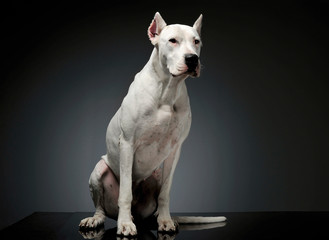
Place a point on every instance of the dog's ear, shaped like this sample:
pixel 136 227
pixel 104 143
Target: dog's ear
pixel 155 28
pixel 198 24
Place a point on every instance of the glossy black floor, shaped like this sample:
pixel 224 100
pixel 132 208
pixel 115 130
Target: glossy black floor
pixel 248 225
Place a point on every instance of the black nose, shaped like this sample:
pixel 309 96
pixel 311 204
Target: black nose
pixel 191 61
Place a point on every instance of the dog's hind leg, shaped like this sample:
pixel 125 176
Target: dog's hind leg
pixel 145 198
pixel 104 190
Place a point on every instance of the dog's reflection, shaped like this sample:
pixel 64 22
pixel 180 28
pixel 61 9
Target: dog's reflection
pixel 144 233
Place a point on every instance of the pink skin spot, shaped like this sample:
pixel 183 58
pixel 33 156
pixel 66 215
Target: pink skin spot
pixel 157 174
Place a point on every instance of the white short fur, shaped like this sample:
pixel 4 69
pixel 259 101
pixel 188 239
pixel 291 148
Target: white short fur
pixel 145 136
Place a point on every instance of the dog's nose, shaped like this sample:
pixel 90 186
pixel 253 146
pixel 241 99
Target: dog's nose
pixel 191 61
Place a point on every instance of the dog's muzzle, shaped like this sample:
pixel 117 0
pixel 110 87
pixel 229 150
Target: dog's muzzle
pixel 191 61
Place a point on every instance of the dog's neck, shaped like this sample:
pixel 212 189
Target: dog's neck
pixel 170 85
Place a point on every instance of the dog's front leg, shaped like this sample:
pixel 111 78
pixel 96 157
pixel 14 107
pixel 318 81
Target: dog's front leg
pixel 165 222
pixel 125 224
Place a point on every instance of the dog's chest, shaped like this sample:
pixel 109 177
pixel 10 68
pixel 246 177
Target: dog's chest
pixel 162 130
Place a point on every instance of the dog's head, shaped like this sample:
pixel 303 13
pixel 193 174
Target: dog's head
pixel 178 45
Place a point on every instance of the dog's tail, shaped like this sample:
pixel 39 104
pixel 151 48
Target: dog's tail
pixel 198 220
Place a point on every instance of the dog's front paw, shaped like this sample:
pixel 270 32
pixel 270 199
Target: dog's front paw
pixel 126 229
pixel 167 225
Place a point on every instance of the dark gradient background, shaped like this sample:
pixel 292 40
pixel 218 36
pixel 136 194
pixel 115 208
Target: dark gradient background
pixel 260 136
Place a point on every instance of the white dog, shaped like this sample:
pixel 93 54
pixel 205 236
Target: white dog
pixel 145 136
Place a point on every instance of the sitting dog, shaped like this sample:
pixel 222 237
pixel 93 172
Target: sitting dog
pixel 145 136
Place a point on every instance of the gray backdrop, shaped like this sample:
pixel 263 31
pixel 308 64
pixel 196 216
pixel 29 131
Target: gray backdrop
pixel 259 139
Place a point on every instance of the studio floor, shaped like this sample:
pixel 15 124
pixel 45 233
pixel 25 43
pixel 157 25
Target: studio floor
pixel 246 225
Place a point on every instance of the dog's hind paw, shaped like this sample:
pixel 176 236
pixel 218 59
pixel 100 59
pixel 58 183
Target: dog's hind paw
pixel 92 222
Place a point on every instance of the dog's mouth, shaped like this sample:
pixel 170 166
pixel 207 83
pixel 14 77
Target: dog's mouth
pixel 187 71
pixel 193 73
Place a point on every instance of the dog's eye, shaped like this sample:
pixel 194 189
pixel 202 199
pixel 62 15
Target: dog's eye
pixel 196 41
pixel 172 40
